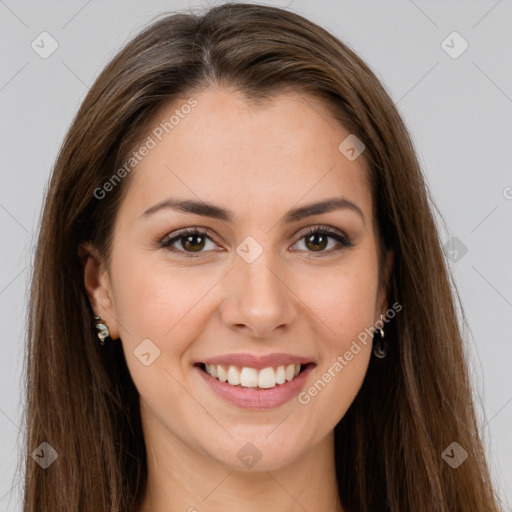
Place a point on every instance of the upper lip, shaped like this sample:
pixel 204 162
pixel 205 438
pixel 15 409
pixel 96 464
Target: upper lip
pixel 255 361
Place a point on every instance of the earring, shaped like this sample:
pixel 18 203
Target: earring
pixel 101 329
pixel 380 346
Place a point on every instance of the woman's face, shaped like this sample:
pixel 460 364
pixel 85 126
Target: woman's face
pixel 255 285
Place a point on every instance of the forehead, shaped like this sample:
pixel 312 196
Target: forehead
pixel 230 151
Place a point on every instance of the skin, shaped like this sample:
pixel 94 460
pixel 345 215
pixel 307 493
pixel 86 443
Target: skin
pixel 234 155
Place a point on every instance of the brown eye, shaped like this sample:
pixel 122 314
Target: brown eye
pixel 193 242
pixel 318 238
pixel 316 241
pixel 188 242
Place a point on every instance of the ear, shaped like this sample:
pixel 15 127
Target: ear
pixel 98 287
pixel 382 302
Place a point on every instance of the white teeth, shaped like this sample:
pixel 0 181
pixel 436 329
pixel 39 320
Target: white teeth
pixel 290 372
pixel 265 378
pixel 248 377
pixel 233 376
pixel 280 375
pixel 222 374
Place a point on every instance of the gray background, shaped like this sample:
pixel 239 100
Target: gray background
pixel 459 112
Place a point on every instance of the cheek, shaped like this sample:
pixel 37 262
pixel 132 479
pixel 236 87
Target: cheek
pixel 344 300
pixel 344 303
pixel 157 299
pixel 345 307
pixel 156 308
pixel 153 298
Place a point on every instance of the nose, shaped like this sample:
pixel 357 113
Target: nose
pixel 258 298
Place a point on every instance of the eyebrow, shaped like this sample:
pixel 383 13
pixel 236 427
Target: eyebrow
pixel 206 209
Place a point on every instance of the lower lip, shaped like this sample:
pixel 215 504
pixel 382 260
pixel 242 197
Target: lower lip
pixel 257 398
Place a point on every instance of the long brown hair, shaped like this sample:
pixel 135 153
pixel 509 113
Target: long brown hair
pixel 80 397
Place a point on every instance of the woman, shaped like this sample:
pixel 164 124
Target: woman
pixel 239 298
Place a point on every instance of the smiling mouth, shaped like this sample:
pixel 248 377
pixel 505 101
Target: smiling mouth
pixel 246 377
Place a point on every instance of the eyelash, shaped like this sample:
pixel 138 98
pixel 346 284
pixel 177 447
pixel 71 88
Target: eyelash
pixel 167 241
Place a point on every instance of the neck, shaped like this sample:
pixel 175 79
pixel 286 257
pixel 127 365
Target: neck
pixel 180 478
